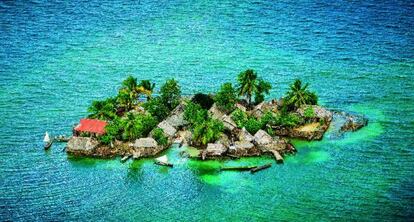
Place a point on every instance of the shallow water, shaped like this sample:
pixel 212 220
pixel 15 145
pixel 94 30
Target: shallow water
pixel 56 57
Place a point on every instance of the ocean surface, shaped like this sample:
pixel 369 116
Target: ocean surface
pixel 58 56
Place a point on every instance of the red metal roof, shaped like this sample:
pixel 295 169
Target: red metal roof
pixel 91 126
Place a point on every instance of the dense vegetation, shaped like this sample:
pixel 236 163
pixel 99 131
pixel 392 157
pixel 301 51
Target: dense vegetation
pixel 134 112
pixel 126 111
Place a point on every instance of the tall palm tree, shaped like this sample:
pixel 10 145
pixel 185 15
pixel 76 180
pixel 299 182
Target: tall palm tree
pixel 147 85
pixel 247 84
pixel 299 95
pixel 263 87
pixel 103 109
pixel 129 126
pixel 130 91
pixel 207 131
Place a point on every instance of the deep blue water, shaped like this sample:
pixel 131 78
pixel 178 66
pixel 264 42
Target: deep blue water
pixel 57 56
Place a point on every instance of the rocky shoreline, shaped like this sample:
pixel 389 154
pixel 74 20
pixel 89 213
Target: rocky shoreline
pixel 234 143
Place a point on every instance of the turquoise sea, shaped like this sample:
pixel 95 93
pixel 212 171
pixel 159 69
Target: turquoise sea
pixel 57 56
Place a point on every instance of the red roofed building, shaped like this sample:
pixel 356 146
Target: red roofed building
pixel 90 126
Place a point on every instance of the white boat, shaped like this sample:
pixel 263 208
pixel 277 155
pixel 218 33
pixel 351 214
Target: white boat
pixel 163 161
pixel 48 142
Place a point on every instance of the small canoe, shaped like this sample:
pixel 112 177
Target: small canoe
pixel 238 168
pixel 259 168
pixel 125 158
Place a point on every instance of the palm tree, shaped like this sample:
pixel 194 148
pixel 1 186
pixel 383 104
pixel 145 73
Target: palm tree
pixel 299 95
pixel 247 84
pixel 207 131
pixel 250 84
pixel 129 127
pixel 130 91
pixel 103 109
pixel 147 85
pixel 263 87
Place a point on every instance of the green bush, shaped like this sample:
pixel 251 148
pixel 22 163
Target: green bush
pixel 157 108
pixel 253 125
pixel 204 100
pixel 170 94
pixel 239 117
pixel 137 125
pixel 289 120
pixel 226 98
pixel 158 135
pixel 194 113
pixel 309 113
pixel 207 131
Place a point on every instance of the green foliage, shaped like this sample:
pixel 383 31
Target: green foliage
pixel 157 108
pixel 194 113
pixel 288 120
pixel 136 126
pixel 253 125
pixel 207 131
pixel 226 97
pixel 204 100
pixel 113 131
pixel 147 85
pixel 247 84
pixel 250 84
pixel 239 117
pixel 170 94
pixel 103 110
pixel 158 135
pixel 263 87
pixel 299 95
pixel 309 113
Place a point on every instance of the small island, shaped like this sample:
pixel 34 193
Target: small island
pixel 234 122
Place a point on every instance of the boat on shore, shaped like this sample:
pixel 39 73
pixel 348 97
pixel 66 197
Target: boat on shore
pixel 47 141
pixel 163 161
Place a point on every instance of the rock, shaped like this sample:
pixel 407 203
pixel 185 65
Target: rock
pixel 168 129
pixel 186 136
pixel 262 138
pixel 243 148
pixel 215 149
pixel 83 146
pixel 176 118
pixel 215 112
pixel 260 109
pixel 241 107
pixel 145 143
pixel 228 122
pixel 224 139
pixel 245 136
pixel 146 147
pixel 354 122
